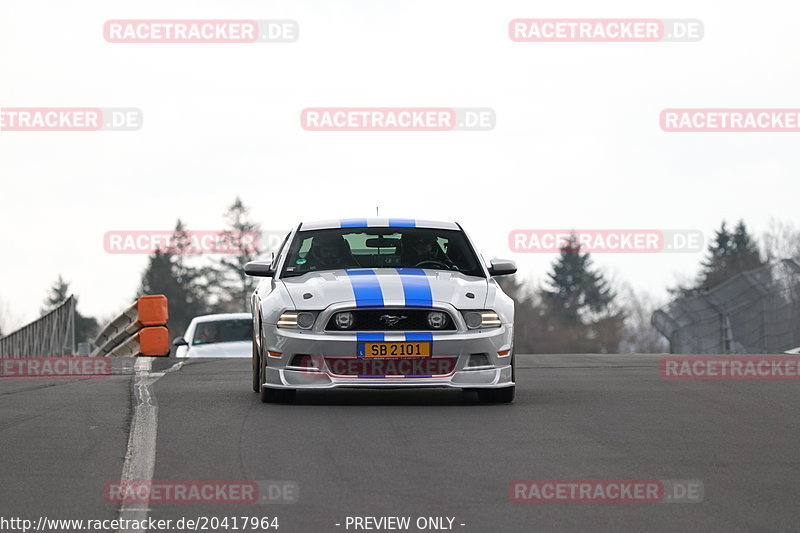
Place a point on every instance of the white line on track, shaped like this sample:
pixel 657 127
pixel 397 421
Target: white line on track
pixel 140 458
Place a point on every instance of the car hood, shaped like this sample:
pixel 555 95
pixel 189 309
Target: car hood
pixel 222 349
pixel 386 287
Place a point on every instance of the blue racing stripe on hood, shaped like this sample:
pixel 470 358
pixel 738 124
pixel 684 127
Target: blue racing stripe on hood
pixel 416 287
pixel 366 289
pixel 361 338
pixel 370 337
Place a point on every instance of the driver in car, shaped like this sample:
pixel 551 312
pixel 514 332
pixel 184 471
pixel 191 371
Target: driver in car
pixel 208 333
pixel 330 252
pixel 420 248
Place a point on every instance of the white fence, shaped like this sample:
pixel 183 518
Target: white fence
pixel 50 336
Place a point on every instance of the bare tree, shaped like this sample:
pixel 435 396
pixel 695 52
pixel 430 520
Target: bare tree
pixel 639 335
pixel 780 241
pixel 233 286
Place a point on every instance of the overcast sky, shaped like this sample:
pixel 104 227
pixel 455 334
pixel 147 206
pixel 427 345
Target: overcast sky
pixel 577 141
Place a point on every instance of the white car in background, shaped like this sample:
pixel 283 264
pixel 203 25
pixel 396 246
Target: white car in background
pixel 220 335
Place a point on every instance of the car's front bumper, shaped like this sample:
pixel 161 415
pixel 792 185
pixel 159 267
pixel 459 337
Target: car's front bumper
pixel 327 353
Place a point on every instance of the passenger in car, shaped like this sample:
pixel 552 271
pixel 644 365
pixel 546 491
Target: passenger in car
pixel 330 251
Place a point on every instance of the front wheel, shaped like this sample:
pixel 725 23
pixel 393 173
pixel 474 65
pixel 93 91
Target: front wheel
pixel 504 395
pixel 256 367
pixel 256 374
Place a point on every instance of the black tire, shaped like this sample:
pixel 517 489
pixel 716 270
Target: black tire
pixel 256 363
pixel 256 337
pixel 504 395
pixel 256 372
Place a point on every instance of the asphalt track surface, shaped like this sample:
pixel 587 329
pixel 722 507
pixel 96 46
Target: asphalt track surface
pixel 418 453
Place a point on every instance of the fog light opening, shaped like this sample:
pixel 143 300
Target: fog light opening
pixel 477 360
pixel 305 362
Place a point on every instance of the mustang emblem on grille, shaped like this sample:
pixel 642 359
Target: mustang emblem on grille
pixel 391 320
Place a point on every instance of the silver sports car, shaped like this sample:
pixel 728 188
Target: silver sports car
pixel 381 303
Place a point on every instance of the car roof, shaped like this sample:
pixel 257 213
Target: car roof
pixel 377 222
pixel 221 316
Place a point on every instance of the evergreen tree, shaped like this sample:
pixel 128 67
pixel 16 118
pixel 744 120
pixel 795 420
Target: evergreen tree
pixel 745 249
pixel 574 288
pixel 85 326
pixel 169 273
pixel 579 310
pixel 729 254
pixel 59 292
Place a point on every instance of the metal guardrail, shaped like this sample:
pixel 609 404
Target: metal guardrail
pixel 51 335
pixel 140 330
pixel 755 312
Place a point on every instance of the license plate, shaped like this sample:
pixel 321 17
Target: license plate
pixel 394 349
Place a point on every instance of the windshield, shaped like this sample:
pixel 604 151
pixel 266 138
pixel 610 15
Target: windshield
pixel 333 249
pixel 222 331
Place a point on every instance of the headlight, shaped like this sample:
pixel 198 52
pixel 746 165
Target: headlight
pixel 294 319
pixel 344 320
pixel 482 319
pixel 437 319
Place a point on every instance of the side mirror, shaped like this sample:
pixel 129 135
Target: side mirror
pixel 180 341
pixel 502 267
pixel 262 269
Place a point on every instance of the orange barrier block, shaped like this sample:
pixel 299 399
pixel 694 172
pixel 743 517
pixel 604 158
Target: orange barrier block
pixel 153 310
pixel 154 341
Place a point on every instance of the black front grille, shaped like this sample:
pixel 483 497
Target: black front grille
pixel 385 320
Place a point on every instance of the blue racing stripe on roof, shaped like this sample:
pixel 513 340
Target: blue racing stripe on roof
pixel 353 223
pixel 416 287
pixel 402 223
pixel 366 289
